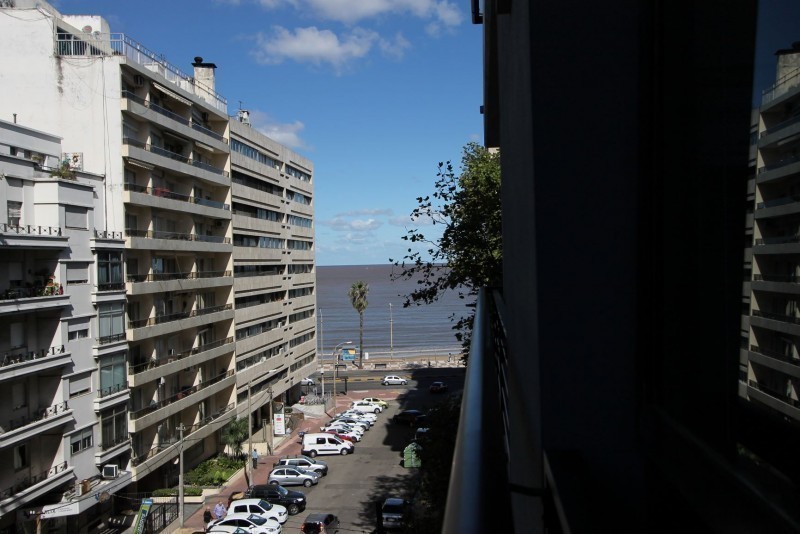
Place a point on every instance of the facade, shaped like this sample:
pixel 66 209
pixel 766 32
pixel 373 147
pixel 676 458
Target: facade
pixel 64 385
pixel 149 290
pixel 772 356
pixel 274 272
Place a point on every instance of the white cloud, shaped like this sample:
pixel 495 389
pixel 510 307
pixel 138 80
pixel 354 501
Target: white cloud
pixel 366 211
pixel 283 133
pixel 341 224
pixel 315 46
pixel 350 12
pixel 396 47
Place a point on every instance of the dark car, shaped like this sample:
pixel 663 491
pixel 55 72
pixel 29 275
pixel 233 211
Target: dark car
pixel 320 524
pixel 409 417
pixel 438 387
pixel 294 501
pixel 393 513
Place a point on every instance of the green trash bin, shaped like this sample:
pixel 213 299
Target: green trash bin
pixel 411 456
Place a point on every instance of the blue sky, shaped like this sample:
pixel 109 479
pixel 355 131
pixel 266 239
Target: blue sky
pixel 374 92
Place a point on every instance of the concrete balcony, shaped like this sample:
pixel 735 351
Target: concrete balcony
pixel 302 232
pixel 260 282
pixel 105 452
pixel 260 341
pixel 167 324
pixel 256 253
pixel 266 311
pixel 21 429
pixel 20 363
pixel 781 169
pixel 777 245
pixel 158 411
pixel 775 360
pixel 307 347
pixel 776 283
pixel 34 486
pixel 774 399
pixel 299 185
pixel 176 163
pixel 263 197
pixel 147 284
pixel 771 137
pixel 298 303
pixel 254 224
pixel 776 322
pixel 298 255
pixel 164 199
pixel 157 456
pixel 24 300
pixel 31 236
pixel 177 241
pixel 139 374
pixel 111 396
pixel 304 279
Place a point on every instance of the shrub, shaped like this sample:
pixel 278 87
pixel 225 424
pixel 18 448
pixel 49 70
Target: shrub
pixel 188 491
pixel 214 471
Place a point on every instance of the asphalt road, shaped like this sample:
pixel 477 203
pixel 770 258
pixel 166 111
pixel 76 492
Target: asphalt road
pixel 356 481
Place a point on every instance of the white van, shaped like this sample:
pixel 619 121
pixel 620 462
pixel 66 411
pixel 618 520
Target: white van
pixel 314 444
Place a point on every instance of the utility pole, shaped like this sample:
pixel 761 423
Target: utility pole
pixel 250 435
pixel 181 428
pixel 336 351
pixel 391 332
pixel 271 418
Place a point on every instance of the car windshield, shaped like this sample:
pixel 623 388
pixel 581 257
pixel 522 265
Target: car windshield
pixel 283 491
pixel 300 469
pixel 257 519
pixel 265 505
pixel 392 508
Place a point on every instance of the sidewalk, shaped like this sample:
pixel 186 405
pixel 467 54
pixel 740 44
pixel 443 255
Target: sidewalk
pixel 290 445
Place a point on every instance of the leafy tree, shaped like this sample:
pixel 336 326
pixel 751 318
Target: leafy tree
pixel 358 298
pixel 234 434
pixel 469 253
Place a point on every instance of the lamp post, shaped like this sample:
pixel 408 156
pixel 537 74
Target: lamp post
pixel 335 368
pixel 391 332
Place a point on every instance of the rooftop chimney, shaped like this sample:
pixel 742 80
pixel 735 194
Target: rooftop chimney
pixel 204 73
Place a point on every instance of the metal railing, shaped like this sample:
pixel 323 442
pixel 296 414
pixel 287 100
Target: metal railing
pixel 780 126
pixel 160 319
pixel 166 193
pixel 162 277
pixel 138 459
pixel 32 230
pixel 111 286
pixel 774 393
pixel 153 363
pixel 115 441
pixel 46 413
pixel 174 155
pixel 110 390
pixel 156 405
pixel 107 44
pixel 777 240
pixel 113 338
pixel 177 236
pixel 787 278
pixel 28 482
pixel 778 164
pixel 775 202
pixel 776 316
pixel 14 358
pixel 775 354
pixel 106 234
pixel 158 109
pixel 781 86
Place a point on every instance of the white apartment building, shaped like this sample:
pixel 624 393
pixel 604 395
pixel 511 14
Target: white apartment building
pixel 160 353
pixel 274 272
pixel 63 383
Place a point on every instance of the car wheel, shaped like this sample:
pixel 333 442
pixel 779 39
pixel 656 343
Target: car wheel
pixel 319 472
pixel 274 482
pixel 293 509
pixel 404 382
pixel 377 411
pixel 312 454
pixel 344 452
pixel 307 482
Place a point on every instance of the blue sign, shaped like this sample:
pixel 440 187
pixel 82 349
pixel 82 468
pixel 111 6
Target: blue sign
pixel 349 355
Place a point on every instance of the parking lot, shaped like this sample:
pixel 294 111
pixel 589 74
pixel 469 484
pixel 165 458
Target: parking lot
pixel 357 481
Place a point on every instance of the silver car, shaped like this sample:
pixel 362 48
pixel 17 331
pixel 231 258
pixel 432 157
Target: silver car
pixel 287 475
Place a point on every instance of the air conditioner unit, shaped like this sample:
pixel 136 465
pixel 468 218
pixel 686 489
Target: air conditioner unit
pixel 138 80
pixel 110 471
pixel 78 488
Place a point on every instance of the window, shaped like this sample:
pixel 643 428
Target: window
pixel 78 334
pixel 111 318
pixel 80 384
pixel 75 217
pixel 112 374
pixel 297 173
pixel 77 273
pixel 294 220
pixel 109 269
pixel 14 213
pixel 113 427
pixel 20 457
pixel 80 441
pixel 296 244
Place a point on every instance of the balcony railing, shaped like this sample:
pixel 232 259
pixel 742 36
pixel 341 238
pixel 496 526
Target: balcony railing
pixel 32 292
pixel 206 131
pixel 778 164
pixel 153 363
pixel 162 277
pixel 46 413
pixel 776 316
pixel 173 155
pixel 118 44
pixel 787 278
pixel 780 126
pixel 105 234
pixel 15 357
pixel 781 86
pixel 774 393
pixel 156 405
pixel 110 390
pixel 775 202
pixel 31 481
pixel 114 441
pixel 113 338
pixel 158 109
pixel 775 354
pixel 777 240
pixel 166 193
pixel 27 229
pixel 160 319
pixel 111 286
pixel 177 236
pixel 169 442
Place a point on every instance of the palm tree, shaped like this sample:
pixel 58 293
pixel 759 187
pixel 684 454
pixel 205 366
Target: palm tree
pixel 358 298
pixel 234 435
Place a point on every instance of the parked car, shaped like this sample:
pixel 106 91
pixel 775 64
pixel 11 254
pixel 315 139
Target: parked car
pixel 361 423
pixel 352 438
pixel 260 507
pixel 341 428
pixel 252 523
pixel 411 417
pixel 228 529
pixel 366 407
pixel 438 387
pixel 393 513
pixel 320 524
pixel 393 380
pixel 368 416
pixel 291 476
pixel 321 443
pixel 308 381
pixel 294 501
pixel 309 464
pixel 375 400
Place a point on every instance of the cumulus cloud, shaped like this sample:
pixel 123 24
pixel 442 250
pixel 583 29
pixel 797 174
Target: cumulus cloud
pixel 394 48
pixel 315 46
pixel 366 211
pixel 287 134
pixel 443 11
pixel 342 224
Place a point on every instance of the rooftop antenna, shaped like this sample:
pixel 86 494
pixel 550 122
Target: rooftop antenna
pixel 243 115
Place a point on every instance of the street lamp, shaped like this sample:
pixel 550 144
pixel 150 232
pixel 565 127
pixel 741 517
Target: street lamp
pixel 391 332
pixel 335 368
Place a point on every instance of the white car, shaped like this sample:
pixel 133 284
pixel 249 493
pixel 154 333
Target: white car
pixel 393 380
pixel 369 416
pixel 350 420
pixel 366 407
pixel 308 381
pixel 260 507
pixel 338 426
pixel 253 523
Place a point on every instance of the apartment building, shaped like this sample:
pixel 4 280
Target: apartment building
pixel 274 274
pixel 63 384
pixel 773 355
